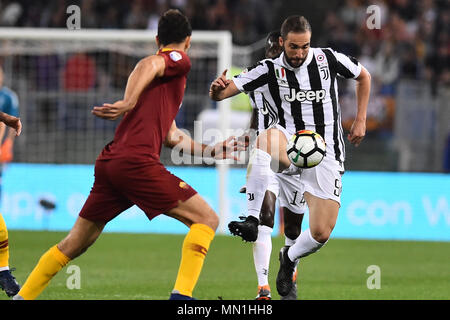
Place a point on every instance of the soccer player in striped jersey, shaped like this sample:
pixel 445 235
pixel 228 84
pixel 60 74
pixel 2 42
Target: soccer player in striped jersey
pixel 287 189
pixel 300 86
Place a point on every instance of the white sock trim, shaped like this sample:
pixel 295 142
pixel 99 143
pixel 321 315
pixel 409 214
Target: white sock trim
pixel 312 239
pixel 315 241
pixel 265 229
pixel 288 241
pixel 4 268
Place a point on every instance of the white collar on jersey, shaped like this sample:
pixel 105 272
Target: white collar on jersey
pixel 285 64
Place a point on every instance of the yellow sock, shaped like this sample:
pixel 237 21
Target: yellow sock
pixel 195 246
pixel 4 248
pixel 48 266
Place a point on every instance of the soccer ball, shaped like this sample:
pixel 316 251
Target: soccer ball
pixel 306 149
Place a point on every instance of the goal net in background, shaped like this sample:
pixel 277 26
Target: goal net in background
pixel 59 75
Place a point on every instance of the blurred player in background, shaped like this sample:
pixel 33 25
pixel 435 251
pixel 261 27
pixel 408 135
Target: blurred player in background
pixel 9 104
pixel 128 170
pixel 9 111
pixel 302 86
pixel 7 281
pixel 288 189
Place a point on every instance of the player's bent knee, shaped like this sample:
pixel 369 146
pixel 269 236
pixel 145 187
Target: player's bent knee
pixel 71 249
pixel 321 236
pixel 266 218
pixel 283 164
pixel 262 141
pixel 195 210
pixel 212 221
pixel 207 217
pixel 204 214
pixel 292 232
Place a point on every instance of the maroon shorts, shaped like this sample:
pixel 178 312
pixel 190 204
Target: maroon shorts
pixel 121 183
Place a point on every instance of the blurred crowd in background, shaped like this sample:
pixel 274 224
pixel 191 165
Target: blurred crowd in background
pixel 247 19
pixel 411 43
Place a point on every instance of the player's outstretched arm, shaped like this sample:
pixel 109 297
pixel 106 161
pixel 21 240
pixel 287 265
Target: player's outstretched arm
pixel 249 135
pixel 222 88
pixel 12 122
pixel 222 150
pixel 358 128
pixel 143 74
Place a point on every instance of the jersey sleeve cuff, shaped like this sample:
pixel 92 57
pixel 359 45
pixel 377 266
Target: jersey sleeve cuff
pixel 358 70
pixel 239 84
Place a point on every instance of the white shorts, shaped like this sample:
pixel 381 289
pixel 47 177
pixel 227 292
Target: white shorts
pixel 324 180
pixel 289 191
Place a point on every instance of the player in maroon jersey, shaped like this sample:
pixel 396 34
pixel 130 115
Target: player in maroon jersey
pixel 128 170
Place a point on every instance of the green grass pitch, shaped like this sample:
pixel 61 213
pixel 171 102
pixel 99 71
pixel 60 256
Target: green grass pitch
pixel 144 266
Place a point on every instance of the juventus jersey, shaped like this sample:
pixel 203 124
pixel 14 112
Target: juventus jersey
pixel 301 98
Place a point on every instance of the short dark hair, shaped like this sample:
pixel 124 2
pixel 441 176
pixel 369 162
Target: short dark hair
pixel 173 27
pixel 297 24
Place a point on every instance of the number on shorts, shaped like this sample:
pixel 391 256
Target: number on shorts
pixel 338 187
pixel 295 198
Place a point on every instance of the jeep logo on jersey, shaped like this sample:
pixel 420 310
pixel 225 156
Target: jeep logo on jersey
pixel 302 95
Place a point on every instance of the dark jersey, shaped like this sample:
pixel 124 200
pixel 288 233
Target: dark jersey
pixel 142 130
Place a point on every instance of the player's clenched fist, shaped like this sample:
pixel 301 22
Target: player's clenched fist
pixel 357 132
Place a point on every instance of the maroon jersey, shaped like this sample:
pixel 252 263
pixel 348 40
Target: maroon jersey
pixel 142 130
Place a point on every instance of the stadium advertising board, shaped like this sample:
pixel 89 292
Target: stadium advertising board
pixel 375 205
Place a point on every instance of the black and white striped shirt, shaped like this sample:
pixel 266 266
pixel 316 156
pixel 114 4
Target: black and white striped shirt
pixel 301 98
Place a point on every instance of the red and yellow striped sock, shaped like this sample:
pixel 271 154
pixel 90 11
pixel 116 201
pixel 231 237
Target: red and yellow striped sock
pixel 4 247
pixel 48 266
pixel 195 246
